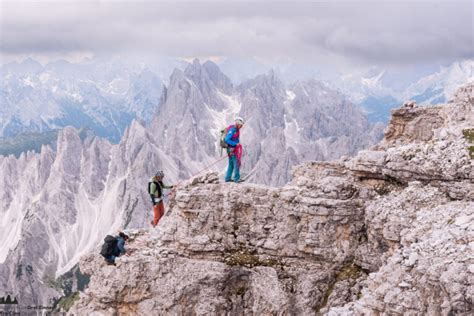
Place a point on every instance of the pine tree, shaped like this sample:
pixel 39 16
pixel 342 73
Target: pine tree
pixel 2 300
pixel 8 300
pixel 15 301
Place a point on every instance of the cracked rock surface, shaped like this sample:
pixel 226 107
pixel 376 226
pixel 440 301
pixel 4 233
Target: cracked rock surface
pixel 388 232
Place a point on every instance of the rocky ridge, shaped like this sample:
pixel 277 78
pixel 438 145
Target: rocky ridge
pixel 389 231
pixel 58 204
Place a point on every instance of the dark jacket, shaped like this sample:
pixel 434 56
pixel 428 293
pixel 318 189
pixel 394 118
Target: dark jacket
pixel 120 248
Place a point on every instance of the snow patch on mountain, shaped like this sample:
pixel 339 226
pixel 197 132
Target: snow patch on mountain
pixel 292 132
pixel 119 86
pixel 88 230
pixel 10 230
pixel 222 118
pixel 233 104
pixel 290 95
pixel 373 82
pixel 219 120
pixel 28 82
pixel 441 86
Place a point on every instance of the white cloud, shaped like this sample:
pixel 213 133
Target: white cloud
pixel 349 32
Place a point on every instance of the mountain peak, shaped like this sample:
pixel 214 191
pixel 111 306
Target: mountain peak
pixel 271 78
pixel 26 66
pixel 208 74
pixel 31 62
pixel 194 67
pixel 176 76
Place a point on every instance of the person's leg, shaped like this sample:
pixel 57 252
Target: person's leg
pixel 156 214
pixel 161 211
pixel 230 169
pixel 237 170
pixel 110 259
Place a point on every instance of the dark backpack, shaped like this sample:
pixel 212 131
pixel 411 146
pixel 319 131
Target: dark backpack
pixel 110 242
pixel 223 134
pixel 158 188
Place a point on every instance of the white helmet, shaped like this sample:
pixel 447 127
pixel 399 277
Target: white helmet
pixel 160 174
pixel 239 120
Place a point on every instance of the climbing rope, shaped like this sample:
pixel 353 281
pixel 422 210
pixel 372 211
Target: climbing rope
pixel 194 175
pixel 239 153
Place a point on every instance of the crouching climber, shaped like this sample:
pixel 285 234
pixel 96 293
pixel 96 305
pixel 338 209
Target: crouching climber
pixel 113 247
pixel 155 189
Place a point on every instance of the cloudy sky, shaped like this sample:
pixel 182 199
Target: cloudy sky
pixel 341 34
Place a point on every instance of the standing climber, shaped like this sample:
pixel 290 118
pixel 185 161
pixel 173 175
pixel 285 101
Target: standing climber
pixel 155 189
pixel 113 247
pixel 234 150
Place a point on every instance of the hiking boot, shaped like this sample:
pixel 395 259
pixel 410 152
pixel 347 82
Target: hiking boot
pixel 152 224
pixel 110 263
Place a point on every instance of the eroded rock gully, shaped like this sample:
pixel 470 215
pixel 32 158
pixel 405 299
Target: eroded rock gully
pixel 389 231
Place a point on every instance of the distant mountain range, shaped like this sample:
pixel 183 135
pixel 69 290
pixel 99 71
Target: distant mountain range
pixel 377 97
pixel 106 95
pixel 22 143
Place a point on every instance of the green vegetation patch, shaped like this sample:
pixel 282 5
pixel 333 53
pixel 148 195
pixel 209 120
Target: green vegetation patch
pixel 241 291
pixel 22 143
pixel 69 284
pixel 469 136
pixel 471 151
pixel 66 302
pixel 25 142
pixel 350 271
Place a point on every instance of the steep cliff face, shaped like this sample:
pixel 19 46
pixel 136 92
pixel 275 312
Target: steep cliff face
pixel 388 231
pixel 57 206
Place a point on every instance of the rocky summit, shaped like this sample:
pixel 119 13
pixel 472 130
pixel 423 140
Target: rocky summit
pixel 388 232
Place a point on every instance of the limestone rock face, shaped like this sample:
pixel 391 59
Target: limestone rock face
pixel 235 249
pixel 389 232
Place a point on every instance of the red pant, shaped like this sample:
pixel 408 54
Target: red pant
pixel 158 212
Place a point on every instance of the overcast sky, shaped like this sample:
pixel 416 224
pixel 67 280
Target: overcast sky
pixel 330 33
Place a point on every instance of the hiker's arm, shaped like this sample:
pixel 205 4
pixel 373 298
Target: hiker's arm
pixel 228 138
pixel 168 186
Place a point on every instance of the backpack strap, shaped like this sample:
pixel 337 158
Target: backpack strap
pixel 236 134
pixel 158 186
